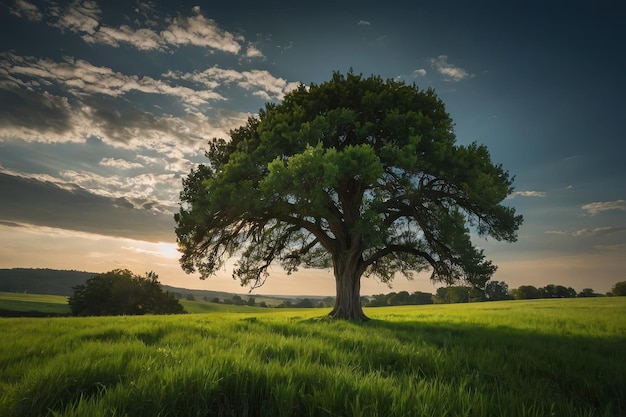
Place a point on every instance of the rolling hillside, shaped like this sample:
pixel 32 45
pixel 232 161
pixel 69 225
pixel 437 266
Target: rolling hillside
pixel 61 282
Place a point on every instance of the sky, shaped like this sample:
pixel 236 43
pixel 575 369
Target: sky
pixel 105 106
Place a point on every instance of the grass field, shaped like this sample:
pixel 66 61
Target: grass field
pixel 56 304
pixel 519 358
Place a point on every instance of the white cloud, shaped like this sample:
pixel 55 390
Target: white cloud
pixel 89 111
pixel 364 23
pixel 254 52
pixel 81 17
pixel 449 71
pixel 199 31
pixel 266 85
pixel 527 194
pixel 419 72
pixel 81 77
pixel 557 232
pixel 26 10
pixel 153 191
pixel 84 18
pixel 600 206
pixel 598 231
pixel 260 82
pixel 142 39
pixel 119 163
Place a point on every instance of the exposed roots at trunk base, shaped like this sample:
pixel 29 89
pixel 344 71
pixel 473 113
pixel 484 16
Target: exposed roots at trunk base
pixel 356 315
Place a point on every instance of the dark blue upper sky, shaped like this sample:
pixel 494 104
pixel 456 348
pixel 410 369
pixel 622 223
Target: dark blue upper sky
pixel 105 106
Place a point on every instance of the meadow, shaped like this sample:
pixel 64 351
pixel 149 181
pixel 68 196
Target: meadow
pixel 563 357
pixel 45 304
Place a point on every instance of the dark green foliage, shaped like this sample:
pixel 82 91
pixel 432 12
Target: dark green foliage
pixel 492 291
pixel 619 288
pixel 588 292
pixel 400 298
pixel 356 174
pixel 120 292
pixel 556 291
pixel 496 291
pixel 453 294
pixel 237 300
pixel 305 303
pixel 529 292
pixel 41 281
pixel 526 292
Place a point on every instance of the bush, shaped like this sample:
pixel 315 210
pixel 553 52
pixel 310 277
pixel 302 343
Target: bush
pixel 120 292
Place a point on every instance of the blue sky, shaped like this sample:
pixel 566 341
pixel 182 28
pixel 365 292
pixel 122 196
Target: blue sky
pixel 106 106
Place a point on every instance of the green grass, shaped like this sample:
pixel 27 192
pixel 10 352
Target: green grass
pixel 209 307
pixel 56 304
pixel 518 358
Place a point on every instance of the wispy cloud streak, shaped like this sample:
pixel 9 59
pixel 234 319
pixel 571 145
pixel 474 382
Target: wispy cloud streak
pixel 527 194
pixel 600 206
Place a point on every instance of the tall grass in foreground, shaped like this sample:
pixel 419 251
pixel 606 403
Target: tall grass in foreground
pixel 535 358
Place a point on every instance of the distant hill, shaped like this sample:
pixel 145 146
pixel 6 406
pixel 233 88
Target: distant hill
pixel 41 281
pixel 197 294
pixel 61 282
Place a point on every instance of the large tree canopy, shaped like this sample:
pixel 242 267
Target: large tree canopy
pixel 356 174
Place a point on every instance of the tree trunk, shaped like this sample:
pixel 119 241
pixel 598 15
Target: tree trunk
pixel 348 283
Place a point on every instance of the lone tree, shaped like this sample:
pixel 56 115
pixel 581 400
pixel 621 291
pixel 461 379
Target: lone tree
pixel 358 174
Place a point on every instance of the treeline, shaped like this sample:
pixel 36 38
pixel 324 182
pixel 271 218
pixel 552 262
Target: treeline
pixel 41 281
pixel 529 292
pixel 399 299
pixel 493 291
pixel 251 301
pixel 121 292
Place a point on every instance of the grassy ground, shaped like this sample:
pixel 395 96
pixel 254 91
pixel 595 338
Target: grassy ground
pixel 56 304
pixel 518 358
pixel 209 307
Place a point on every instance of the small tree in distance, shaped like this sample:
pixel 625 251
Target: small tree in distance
pixel 587 292
pixel 619 288
pixel 497 290
pixel 120 292
pixel 356 174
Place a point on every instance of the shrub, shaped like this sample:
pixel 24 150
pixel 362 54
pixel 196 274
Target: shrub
pixel 120 292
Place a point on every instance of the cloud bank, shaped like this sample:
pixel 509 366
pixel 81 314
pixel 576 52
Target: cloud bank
pixel 43 203
pixel 83 17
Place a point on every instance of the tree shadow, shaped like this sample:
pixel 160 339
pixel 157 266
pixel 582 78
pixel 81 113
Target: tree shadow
pixel 583 370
